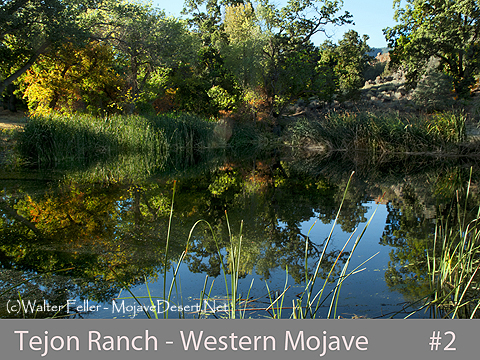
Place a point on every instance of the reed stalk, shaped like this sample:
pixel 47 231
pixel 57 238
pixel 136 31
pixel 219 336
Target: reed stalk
pixel 454 266
pixel 231 275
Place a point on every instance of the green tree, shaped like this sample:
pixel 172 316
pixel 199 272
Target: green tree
pixel 327 74
pixel 446 29
pixel 343 65
pixel 352 54
pixel 74 79
pixel 146 41
pixel 244 52
pixel 206 19
pixel 293 75
pixel 207 87
pixel 29 28
pixel 290 48
pixel 268 47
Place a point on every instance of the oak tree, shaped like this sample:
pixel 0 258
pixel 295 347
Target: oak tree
pixel 29 28
pixel 448 30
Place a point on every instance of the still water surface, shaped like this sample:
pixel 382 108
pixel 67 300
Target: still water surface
pixel 80 239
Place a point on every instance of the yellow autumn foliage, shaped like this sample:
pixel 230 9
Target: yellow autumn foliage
pixel 75 79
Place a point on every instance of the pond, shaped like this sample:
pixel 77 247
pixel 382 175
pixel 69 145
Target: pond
pixel 79 243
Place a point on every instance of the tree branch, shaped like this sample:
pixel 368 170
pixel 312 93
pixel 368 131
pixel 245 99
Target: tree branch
pixel 5 208
pixel 43 48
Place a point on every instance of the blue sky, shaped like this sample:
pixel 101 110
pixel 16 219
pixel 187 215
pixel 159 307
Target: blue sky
pixel 370 17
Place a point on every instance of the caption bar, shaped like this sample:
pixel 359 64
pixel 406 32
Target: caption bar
pixel 238 339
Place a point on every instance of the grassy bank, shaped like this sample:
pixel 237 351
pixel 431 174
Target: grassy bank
pixel 80 139
pixel 381 132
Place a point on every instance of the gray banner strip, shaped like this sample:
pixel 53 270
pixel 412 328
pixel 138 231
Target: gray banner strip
pixel 238 339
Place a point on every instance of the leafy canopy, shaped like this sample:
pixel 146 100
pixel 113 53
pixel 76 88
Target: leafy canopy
pixel 448 30
pixel 29 28
pixel 266 47
pixel 74 78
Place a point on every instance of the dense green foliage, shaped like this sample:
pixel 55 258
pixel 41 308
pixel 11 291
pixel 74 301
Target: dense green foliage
pixel 74 79
pixel 31 28
pixel 105 56
pixel 446 30
pixel 255 59
pixel 350 59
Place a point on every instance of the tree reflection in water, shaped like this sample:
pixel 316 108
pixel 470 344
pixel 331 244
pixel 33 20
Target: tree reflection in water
pixel 90 227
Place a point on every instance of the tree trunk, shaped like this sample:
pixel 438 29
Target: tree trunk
pixel 10 99
pixel 19 72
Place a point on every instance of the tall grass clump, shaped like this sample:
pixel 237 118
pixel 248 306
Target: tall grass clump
pixel 81 139
pixel 248 138
pixel 185 132
pixel 381 133
pixel 190 138
pixel 447 126
pixel 454 268
pixel 230 264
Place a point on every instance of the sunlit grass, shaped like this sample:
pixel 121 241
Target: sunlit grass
pixel 381 133
pixel 454 267
pixel 59 139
